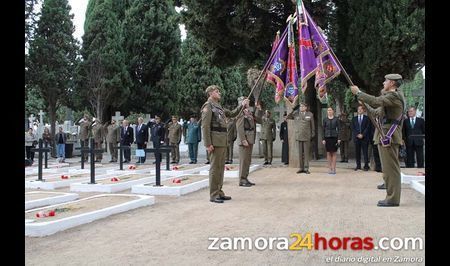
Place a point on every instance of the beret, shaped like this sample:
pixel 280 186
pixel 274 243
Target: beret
pixel 393 77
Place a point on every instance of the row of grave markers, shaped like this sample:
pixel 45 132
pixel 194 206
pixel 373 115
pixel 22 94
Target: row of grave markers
pixel 158 151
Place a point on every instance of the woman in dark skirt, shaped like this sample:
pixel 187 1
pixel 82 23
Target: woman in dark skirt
pixel 331 141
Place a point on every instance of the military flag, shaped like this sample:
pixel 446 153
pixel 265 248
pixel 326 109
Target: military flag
pixel 315 54
pixel 276 71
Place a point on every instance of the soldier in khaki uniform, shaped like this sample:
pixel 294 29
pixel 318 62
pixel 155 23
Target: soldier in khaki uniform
pixel 174 134
pixel 98 132
pixel 246 129
pixel 232 135
pixel 214 131
pixel 113 138
pixel 345 135
pixel 390 106
pixel 85 125
pixel 304 131
pixel 268 135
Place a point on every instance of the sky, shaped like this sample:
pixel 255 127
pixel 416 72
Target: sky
pixel 79 11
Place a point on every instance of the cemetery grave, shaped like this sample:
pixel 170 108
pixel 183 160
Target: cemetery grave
pixel 35 199
pixel 182 169
pixel 114 183
pixel 175 186
pixel 51 219
pixel 232 170
pixel 61 180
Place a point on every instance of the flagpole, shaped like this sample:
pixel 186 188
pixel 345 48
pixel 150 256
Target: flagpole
pixel 342 67
pixel 351 84
pixel 272 55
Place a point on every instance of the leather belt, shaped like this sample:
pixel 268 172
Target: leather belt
pixel 219 129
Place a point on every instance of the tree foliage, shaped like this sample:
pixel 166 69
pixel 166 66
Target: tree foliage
pixel 375 38
pixel 414 91
pixel 152 42
pixel 52 56
pixel 102 75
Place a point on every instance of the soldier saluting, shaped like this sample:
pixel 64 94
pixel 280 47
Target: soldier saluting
pixel 214 130
pixel 388 132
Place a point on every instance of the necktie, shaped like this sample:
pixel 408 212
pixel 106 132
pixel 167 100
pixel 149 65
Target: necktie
pixel 412 122
pixel 360 120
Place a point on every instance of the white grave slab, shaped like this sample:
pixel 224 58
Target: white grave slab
pixel 36 228
pixel 51 199
pixel 51 185
pixel 234 173
pixel 419 186
pixel 181 171
pixel 149 189
pixel 406 179
pixel 112 187
pixel 416 182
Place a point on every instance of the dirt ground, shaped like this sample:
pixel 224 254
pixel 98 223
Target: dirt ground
pixel 176 229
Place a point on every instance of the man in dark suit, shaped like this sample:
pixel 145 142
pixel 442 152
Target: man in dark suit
pixel 413 132
pixel 361 132
pixel 376 155
pixel 126 138
pixel 157 132
pixel 284 140
pixel 141 138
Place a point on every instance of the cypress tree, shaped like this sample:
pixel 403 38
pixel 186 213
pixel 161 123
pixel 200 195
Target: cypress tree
pixel 52 56
pixel 152 42
pixel 102 74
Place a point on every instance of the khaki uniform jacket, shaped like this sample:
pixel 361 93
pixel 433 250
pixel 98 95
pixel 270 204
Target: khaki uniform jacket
pixel 390 105
pixel 98 132
pixel 232 132
pixel 246 127
pixel 345 131
pixel 305 128
pixel 214 127
pixel 268 129
pixel 84 130
pixel 113 135
pixel 174 132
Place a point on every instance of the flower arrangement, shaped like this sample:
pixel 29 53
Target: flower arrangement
pixel 64 177
pixel 177 167
pixel 115 179
pixel 178 180
pixel 42 214
pixel 132 167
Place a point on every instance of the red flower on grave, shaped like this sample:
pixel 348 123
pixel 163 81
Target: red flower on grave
pixel 132 167
pixel 64 177
pixel 176 180
pixel 115 179
pixel 175 167
pixel 51 213
pixel 227 168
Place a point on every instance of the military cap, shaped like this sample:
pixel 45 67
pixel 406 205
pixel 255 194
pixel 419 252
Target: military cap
pixel 211 88
pixel 393 77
